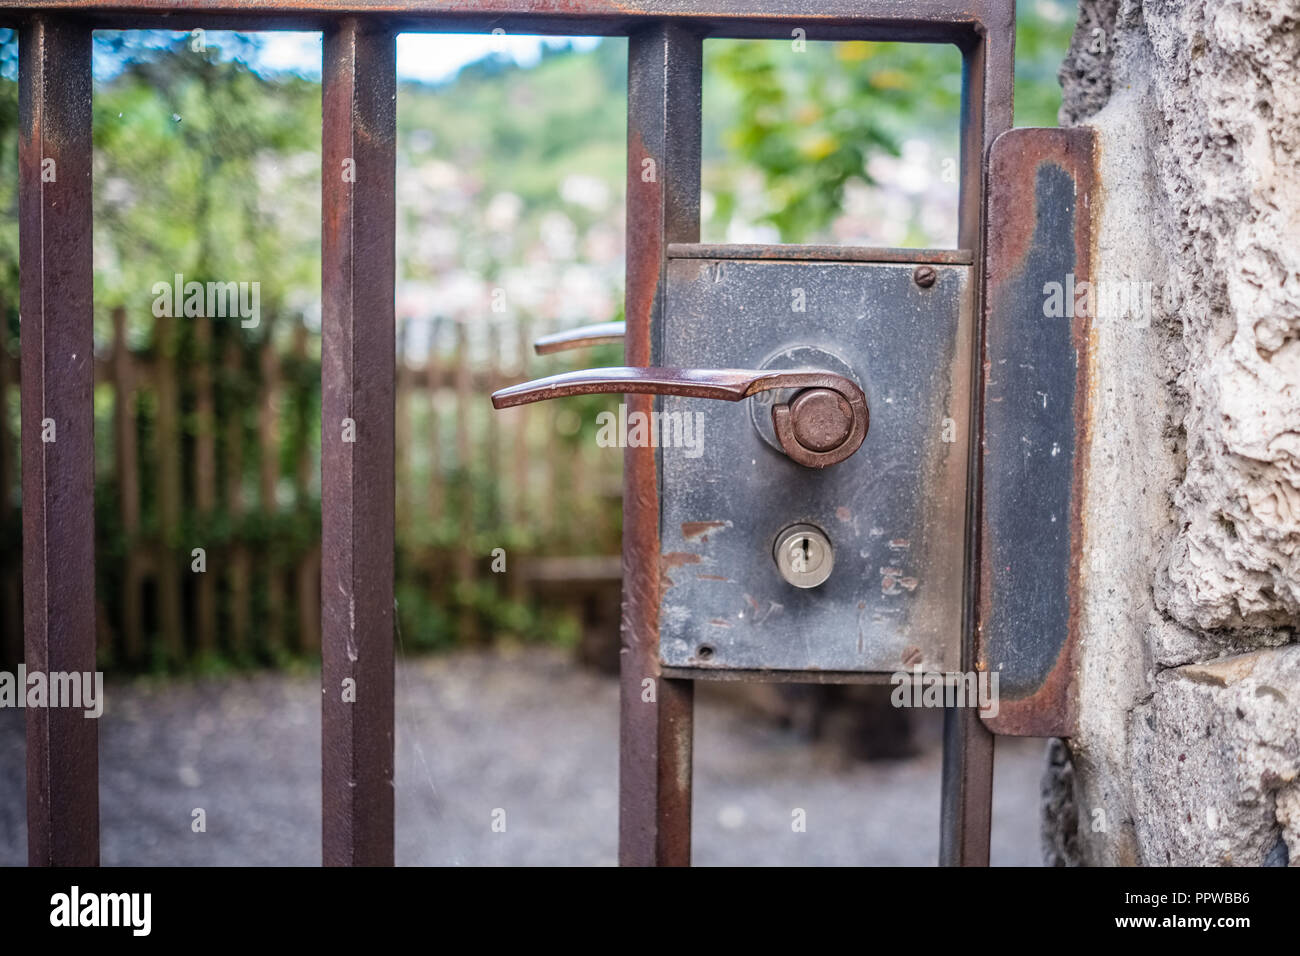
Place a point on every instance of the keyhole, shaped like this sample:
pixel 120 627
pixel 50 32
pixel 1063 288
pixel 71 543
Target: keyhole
pixel 803 555
pixel 799 557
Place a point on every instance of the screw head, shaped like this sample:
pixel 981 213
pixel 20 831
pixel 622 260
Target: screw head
pixel 924 276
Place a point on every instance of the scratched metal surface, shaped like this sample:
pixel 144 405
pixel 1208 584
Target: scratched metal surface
pixel 1035 424
pixel 894 511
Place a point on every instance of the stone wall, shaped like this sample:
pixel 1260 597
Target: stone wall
pixel 1189 742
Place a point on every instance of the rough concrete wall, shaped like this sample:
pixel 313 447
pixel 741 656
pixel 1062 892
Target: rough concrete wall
pixel 1189 743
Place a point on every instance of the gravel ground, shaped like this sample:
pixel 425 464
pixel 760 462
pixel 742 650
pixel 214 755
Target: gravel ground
pixel 525 732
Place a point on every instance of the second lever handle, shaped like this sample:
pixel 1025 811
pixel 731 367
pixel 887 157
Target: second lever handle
pixel 822 425
pixel 580 337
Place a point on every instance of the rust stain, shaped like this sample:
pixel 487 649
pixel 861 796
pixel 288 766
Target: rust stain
pixel 1008 244
pixel 700 529
pixel 677 559
pixel 645 222
pixel 669 561
pixel 899 544
pixel 1049 711
pixel 712 577
pixel 844 514
pixel 719 622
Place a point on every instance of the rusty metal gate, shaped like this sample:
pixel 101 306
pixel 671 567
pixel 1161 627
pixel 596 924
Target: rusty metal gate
pixel 665 39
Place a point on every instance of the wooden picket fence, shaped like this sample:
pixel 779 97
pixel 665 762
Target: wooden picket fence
pixel 209 439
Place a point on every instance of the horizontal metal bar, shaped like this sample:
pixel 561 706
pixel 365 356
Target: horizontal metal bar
pixel 706 250
pixel 723 675
pixel 929 21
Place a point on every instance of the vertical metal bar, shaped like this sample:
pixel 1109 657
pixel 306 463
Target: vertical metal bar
pixel 54 201
pixel 358 268
pixel 663 206
pixel 967 775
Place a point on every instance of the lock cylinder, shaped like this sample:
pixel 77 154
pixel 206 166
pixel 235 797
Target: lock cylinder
pixel 804 556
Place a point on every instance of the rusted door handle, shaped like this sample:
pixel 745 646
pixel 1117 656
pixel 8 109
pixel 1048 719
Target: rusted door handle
pixel 580 338
pixel 822 425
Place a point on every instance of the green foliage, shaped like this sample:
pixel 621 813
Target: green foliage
pixel 423 624
pixel 426 623
pixel 207 169
pixel 810 119
pixel 1043 30
pixel 807 121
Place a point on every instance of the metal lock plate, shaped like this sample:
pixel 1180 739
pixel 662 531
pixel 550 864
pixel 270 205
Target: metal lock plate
pixel 895 512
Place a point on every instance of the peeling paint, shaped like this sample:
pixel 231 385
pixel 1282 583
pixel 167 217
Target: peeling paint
pixel 701 529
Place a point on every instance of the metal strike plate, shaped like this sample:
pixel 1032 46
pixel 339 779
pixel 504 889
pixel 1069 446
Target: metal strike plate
pixel 1036 418
pixel 895 512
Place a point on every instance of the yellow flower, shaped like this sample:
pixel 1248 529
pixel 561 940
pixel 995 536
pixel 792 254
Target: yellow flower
pixel 818 146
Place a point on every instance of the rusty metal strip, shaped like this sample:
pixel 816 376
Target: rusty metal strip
pixel 54 208
pixel 358 268
pixel 923 21
pixel 746 676
pixel 663 205
pixel 967 775
pixel 1035 425
pixel 814 253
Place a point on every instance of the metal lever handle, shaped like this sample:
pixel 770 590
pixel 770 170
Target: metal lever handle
pixel 822 425
pixel 580 337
